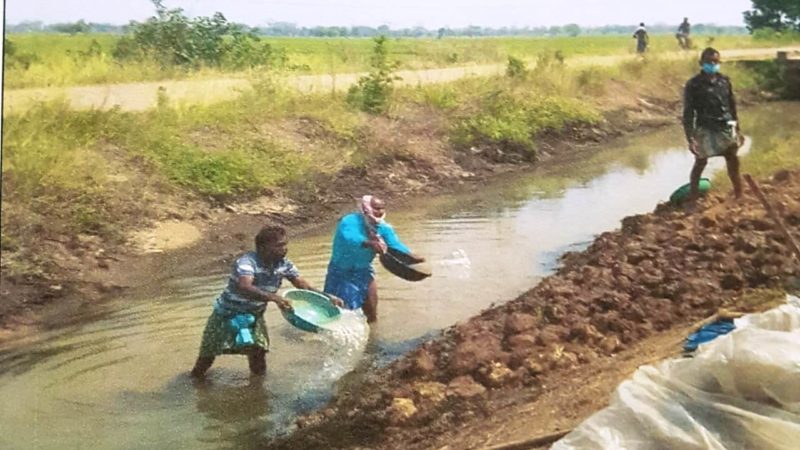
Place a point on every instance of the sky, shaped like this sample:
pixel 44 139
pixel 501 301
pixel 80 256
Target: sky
pixel 395 13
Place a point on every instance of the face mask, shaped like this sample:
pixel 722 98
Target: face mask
pixel 710 68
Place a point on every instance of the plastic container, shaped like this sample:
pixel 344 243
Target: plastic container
pixel 682 193
pixel 403 266
pixel 312 310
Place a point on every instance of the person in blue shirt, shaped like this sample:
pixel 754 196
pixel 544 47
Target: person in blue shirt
pixel 358 238
pixel 236 324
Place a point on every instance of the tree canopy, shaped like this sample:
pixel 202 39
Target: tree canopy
pixel 774 14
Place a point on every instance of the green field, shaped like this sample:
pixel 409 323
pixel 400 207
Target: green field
pixel 66 60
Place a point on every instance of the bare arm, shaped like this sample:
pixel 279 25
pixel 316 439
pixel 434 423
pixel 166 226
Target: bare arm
pixel 248 289
pixel 689 115
pixel 301 283
pixel 734 113
pixel 688 112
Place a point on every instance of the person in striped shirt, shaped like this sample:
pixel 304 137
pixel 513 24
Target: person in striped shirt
pixel 253 282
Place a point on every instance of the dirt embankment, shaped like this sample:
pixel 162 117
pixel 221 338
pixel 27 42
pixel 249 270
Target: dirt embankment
pixel 80 270
pixel 659 273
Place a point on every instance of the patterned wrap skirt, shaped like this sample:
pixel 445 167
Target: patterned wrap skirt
pixel 219 336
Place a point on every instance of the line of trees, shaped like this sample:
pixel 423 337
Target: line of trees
pixel 778 15
pixel 292 30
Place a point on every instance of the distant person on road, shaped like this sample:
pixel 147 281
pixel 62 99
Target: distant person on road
pixel 683 34
pixel 642 39
pixel 359 236
pixel 236 324
pixel 710 121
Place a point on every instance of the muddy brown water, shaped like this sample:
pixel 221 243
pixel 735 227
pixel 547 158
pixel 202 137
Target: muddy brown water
pixel 118 380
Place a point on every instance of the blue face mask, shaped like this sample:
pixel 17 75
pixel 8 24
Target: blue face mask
pixel 710 68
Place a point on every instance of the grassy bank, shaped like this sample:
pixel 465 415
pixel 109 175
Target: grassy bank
pixel 64 60
pixel 777 149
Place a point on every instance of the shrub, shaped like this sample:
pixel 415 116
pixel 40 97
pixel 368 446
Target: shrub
pixel 512 120
pixel 171 38
pixel 373 91
pixel 516 68
pixel 13 58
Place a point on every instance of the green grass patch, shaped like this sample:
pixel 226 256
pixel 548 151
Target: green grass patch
pixel 66 165
pixel 772 155
pixel 775 142
pixel 513 118
pixel 52 171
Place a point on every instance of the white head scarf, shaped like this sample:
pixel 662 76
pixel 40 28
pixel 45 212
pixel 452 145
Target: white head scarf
pixel 365 204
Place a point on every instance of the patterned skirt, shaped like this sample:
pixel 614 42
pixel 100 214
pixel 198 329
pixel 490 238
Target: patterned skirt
pixel 715 142
pixel 219 337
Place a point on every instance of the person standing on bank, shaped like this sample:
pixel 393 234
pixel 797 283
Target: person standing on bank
pixel 711 122
pixel 642 39
pixel 359 236
pixel 684 29
pixel 254 281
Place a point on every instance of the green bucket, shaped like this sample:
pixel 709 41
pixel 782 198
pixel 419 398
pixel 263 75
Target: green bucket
pixel 682 193
pixel 312 310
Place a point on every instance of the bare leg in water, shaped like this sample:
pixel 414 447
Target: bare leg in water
pixel 201 366
pixel 371 303
pixel 257 359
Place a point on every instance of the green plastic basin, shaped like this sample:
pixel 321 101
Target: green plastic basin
pixel 312 310
pixel 682 193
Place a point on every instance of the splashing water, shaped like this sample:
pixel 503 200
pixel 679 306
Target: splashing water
pixel 457 264
pixel 346 339
pixel 337 348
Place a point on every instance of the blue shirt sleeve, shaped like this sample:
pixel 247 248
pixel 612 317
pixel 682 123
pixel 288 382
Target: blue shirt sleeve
pixel 390 237
pixel 352 230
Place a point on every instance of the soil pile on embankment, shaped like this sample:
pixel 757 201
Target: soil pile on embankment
pixel 660 271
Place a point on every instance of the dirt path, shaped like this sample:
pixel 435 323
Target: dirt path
pixel 142 96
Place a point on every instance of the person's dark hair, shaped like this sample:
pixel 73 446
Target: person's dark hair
pixel 708 52
pixel 641 24
pixel 269 234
